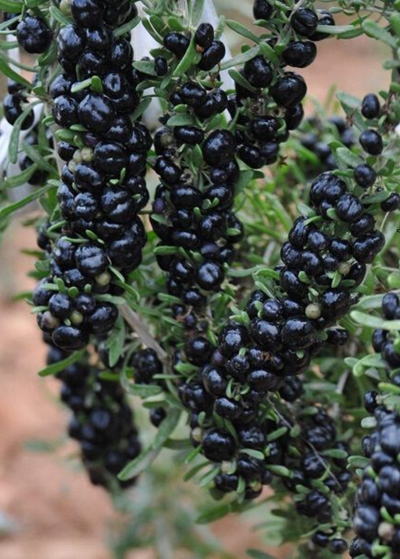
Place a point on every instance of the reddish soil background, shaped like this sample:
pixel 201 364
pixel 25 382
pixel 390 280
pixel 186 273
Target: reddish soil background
pixel 57 513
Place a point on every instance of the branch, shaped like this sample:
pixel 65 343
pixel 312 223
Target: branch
pixel 141 329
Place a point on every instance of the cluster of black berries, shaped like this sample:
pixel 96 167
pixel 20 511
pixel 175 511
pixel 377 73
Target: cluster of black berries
pixel 102 421
pixel 284 332
pixel 193 213
pixel 14 104
pixel 372 143
pixel 212 50
pixel 192 206
pixel 260 128
pixel 103 184
pixel 318 480
pixel 313 135
pixel 379 488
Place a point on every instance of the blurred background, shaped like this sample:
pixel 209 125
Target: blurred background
pixel 48 509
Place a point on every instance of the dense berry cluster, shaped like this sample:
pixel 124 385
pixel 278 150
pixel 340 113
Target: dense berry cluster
pixel 267 103
pixel 378 503
pixel 318 480
pixel 377 496
pixel 192 207
pixel 212 50
pixel 102 185
pixel 282 333
pixel 102 421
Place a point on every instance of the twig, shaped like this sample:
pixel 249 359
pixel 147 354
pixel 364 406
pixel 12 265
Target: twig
pixel 137 324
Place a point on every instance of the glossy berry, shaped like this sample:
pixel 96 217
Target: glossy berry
pixel 204 35
pixel 365 175
pixel 219 148
pixel 370 401
pixel 392 203
pixel 96 112
pixel 349 208
pixel 299 54
pixel 371 142
pixel 91 260
pixel 258 72
pixel 33 35
pixel 209 276
pixel 304 21
pixel 262 9
pixel 326 19
pixel 69 337
pixel 87 13
pixel 338 546
pixel 192 94
pixel 60 305
pixel 176 43
pixel 218 445
pixel 65 111
pixel 161 66
pixel 289 90
pixel 298 333
pixel 370 106
pixel 212 56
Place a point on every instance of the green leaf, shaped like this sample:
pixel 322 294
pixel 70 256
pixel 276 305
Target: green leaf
pixel 11 208
pixel 373 360
pixel 214 514
pixel 141 108
pixel 375 31
pixel 145 66
pixel 142 462
pixel 349 158
pixel 180 120
pixel 21 178
pixel 371 321
pixel 240 59
pixel 61 18
pixel 195 470
pixel 79 86
pixel 115 342
pixel 348 102
pixel 277 434
pixel 167 427
pixel 126 27
pixel 242 30
pixel 245 178
pixel 335 453
pixel 241 80
pixel 144 390
pixel 165 250
pixel 61 365
pixel 370 302
pixel 191 58
pixel 253 453
pixel 33 153
pixel 279 470
pixel 11 6
pixel 7 71
pixel 358 462
pixel 196 12
pixel 139 464
pixel 14 138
